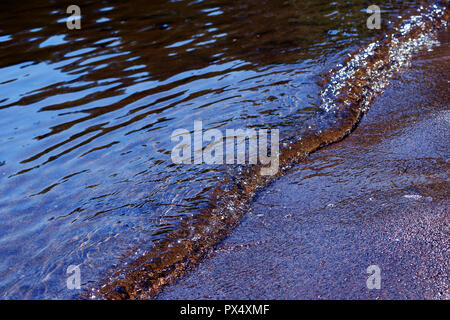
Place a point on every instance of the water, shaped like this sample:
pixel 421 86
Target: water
pixel 86 176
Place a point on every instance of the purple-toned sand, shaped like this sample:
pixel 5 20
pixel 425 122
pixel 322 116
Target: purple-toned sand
pixel 380 197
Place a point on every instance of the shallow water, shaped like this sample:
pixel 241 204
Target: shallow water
pixel 86 176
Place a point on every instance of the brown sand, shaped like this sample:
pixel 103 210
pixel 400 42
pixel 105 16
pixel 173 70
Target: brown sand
pixel 377 198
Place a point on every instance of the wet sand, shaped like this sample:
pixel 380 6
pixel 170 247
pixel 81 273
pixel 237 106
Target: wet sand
pixel 380 197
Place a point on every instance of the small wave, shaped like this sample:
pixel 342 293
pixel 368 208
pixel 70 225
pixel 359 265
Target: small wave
pixel 348 92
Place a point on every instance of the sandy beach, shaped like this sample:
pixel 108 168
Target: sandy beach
pixel 380 197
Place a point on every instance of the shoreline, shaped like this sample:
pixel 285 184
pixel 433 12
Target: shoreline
pixel 377 198
pixel 361 79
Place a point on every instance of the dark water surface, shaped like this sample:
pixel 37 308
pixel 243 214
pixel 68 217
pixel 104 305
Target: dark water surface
pixel 86 116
